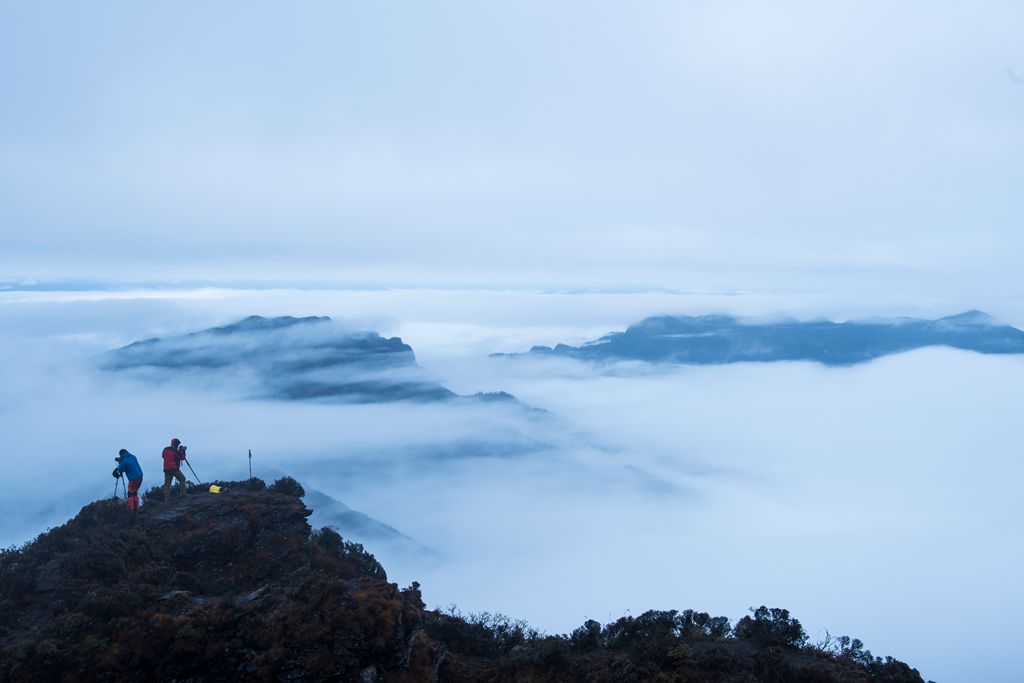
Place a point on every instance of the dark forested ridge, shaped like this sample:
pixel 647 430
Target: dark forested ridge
pixel 284 358
pixel 289 359
pixel 716 339
pixel 236 586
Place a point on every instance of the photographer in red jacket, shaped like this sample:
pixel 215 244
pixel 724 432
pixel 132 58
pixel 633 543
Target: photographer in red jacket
pixel 173 455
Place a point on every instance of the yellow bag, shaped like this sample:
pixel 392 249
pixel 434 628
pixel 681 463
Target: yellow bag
pixel 214 488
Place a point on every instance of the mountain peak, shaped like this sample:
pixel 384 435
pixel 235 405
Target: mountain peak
pixel 236 586
pixel 254 323
pixel 285 358
pixel 973 317
pixel 716 339
pixel 204 587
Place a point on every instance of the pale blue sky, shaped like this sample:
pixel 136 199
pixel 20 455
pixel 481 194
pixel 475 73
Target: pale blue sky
pixel 680 144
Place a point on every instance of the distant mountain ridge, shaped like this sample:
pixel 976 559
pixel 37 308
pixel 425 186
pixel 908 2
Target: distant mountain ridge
pixel 288 358
pixel 352 524
pixel 719 339
pixel 356 526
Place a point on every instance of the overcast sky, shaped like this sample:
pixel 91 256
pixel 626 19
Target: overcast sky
pixel 793 144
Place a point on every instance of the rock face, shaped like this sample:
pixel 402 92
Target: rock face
pixel 236 586
pixel 284 358
pixel 713 339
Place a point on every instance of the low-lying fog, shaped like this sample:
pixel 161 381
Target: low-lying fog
pixel 880 501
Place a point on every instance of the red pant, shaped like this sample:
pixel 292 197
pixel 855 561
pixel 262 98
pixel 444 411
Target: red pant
pixel 133 493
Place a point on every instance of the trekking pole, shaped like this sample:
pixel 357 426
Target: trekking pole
pixel 194 473
pixel 250 463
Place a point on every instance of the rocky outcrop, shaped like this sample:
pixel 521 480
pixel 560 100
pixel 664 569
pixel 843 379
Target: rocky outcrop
pixel 235 586
pixel 229 586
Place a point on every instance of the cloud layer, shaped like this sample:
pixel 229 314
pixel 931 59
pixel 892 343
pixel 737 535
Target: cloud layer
pixel 722 144
pixel 876 500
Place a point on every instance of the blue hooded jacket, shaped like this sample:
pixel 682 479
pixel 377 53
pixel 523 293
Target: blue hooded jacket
pixel 129 466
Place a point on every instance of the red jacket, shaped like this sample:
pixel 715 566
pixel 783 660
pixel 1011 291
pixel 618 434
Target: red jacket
pixel 172 459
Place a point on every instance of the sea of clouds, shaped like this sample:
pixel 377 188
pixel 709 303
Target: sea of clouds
pixel 880 500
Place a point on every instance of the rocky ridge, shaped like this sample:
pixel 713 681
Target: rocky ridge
pixel 237 586
pixel 290 359
pixel 717 339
